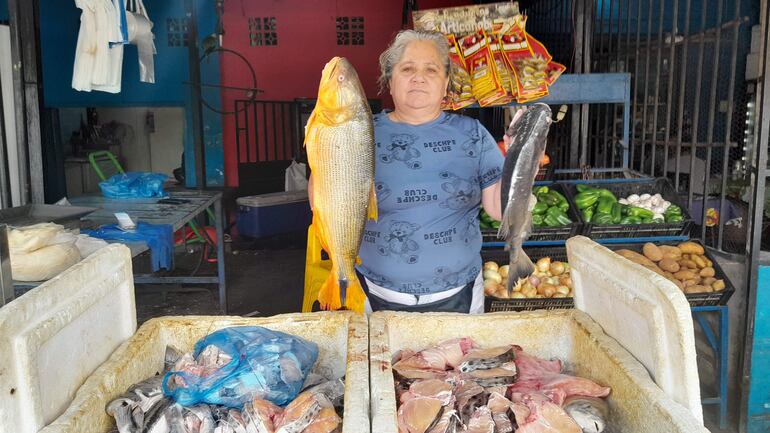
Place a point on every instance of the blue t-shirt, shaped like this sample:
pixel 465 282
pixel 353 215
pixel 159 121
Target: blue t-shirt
pixel 429 179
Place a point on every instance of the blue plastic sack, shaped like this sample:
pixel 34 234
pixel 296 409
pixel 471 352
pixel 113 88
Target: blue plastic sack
pixel 265 364
pixel 158 237
pixel 134 185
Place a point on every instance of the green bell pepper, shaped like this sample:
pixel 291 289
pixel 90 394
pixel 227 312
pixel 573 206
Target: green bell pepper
pixel 540 190
pixel 631 220
pixel 548 198
pixel 556 214
pixel 674 218
pixel 586 199
pixel 605 205
pixel 538 220
pixel 624 209
pixel 581 187
pixel 602 218
pixel 495 224
pixel 639 212
pixel 607 193
pixel 587 214
pixel 616 213
pixel 674 209
pixel 539 208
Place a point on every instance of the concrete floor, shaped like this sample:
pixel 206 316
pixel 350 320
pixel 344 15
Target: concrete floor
pixel 267 277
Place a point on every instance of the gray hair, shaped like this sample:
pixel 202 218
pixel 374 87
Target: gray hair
pixel 392 55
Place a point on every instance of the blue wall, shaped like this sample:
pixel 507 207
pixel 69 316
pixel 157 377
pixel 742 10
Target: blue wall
pixel 59 26
pixel 3 10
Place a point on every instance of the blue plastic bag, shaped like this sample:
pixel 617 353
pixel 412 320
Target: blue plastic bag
pixel 265 364
pixel 158 237
pixel 134 185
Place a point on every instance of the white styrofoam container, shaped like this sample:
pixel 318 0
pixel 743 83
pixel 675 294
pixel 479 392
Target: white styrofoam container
pixel 637 404
pixel 342 339
pixel 646 313
pixel 54 336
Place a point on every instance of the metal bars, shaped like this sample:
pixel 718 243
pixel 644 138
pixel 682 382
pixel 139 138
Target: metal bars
pixel 684 57
pixel 265 131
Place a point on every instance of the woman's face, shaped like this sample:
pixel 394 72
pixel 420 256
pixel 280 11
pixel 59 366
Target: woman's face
pixel 419 80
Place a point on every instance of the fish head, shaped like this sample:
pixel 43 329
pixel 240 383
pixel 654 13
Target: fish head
pixel 340 94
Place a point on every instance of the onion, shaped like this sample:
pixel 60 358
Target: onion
pixel 565 280
pixel 534 281
pixel 543 264
pixel 503 271
pixel 623 201
pixel 517 295
pixel 633 198
pixel 644 197
pixel 557 268
pixel 563 290
pixel 549 291
pixel 492 275
pixel 490 265
pixel 490 287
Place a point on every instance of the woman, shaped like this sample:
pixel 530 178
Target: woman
pixel 433 171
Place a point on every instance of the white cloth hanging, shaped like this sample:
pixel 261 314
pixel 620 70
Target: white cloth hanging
pixel 140 34
pixel 99 52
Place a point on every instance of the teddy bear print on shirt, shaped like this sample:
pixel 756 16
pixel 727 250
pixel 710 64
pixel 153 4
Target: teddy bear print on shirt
pixel 401 148
pixel 400 243
pixel 382 190
pixel 463 193
pixel 471 147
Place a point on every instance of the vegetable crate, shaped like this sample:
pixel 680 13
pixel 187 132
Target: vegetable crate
pixel 695 299
pixel 493 304
pixel 622 190
pixel 545 173
pixel 544 232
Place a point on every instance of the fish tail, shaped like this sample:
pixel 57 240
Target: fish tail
pixel 342 291
pixel 521 267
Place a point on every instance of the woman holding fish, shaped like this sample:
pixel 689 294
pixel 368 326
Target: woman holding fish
pixel 432 170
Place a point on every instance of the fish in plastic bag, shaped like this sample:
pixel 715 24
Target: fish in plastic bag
pixel 233 366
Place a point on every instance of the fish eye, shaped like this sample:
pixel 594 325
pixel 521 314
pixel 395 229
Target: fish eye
pixel 340 78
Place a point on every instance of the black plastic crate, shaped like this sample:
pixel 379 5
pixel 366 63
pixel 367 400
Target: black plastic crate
pixel 545 173
pixel 548 233
pixel 660 186
pixel 493 304
pixel 695 299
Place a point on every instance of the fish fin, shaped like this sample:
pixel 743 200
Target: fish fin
pixel 358 261
pixel 506 222
pixel 521 267
pixel 373 211
pixel 309 128
pixel 329 295
pixel 320 232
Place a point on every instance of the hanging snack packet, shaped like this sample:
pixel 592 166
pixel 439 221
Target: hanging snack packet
pixel 481 66
pixel 505 74
pixel 528 69
pixel 460 89
pixel 553 71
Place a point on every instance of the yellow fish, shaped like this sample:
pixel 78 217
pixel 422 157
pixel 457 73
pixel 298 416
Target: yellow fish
pixel 339 138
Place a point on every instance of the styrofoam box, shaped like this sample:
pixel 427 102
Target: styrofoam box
pixel 342 339
pixel 636 403
pixel 54 336
pixel 644 312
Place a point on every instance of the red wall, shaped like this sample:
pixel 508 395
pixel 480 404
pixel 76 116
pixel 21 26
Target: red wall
pixel 307 39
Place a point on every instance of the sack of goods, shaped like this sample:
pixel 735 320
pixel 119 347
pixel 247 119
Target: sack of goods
pixel 40 252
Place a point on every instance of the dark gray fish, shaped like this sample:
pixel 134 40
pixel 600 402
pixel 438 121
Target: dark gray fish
pixel 522 162
pixel 486 359
pixel 140 408
pixel 589 413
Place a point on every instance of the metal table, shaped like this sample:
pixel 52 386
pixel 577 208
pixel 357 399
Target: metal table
pixel 177 215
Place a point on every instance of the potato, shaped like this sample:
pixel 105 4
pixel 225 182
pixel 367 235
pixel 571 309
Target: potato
pixel 718 285
pixel 517 295
pixel 688 283
pixel 699 260
pixel 689 264
pixel 669 265
pixel 708 281
pixel 707 272
pixel 691 248
pixel 652 252
pixel 678 284
pixel 671 252
pixel 657 270
pixel 491 265
pixel 709 263
pixel 698 289
pixel 636 258
pixel 685 275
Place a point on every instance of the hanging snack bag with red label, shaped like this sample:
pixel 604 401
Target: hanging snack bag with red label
pixel 553 71
pixel 481 66
pixel 528 68
pixel 460 89
pixel 503 71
